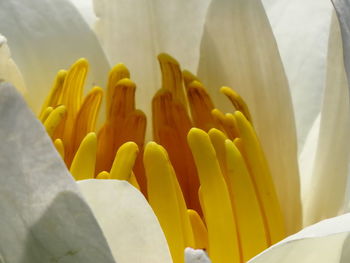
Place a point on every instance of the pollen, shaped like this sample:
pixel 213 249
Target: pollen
pixel 204 173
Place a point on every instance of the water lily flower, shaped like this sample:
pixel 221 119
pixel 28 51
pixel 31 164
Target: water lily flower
pixel 249 49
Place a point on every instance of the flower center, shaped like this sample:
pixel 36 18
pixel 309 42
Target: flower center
pixel 205 175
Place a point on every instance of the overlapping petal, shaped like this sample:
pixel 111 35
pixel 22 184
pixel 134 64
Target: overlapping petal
pixel 301 29
pixel 45 36
pixel 238 49
pixel 135 32
pixel 128 222
pixel 43 217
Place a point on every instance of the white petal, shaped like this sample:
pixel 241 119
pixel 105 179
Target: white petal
pixel 239 50
pixel 136 31
pixel 130 226
pixel 301 28
pixel 196 256
pixel 45 36
pixel 43 218
pixel 325 242
pixel 325 196
pixel 9 71
pixel 307 157
pixel 86 9
pixel 343 9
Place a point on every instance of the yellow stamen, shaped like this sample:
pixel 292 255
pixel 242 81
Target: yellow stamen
pixel 163 197
pixel 59 147
pixel 172 77
pixel 45 114
pixel 55 93
pixel 171 124
pixel 118 72
pixel 189 78
pixel 237 102
pixel 103 175
pixel 226 121
pixel 124 161
pixel 262 180
pixel 83 165
pixel 133 181
pixel 250 224
pixel 54 119
pixel 201 106
pixel 200 232
pixel 85 121
pixel 222 233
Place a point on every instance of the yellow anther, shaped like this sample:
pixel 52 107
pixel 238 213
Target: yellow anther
pixel 258 167
pixel 222 233
pixel 237 101
pixel 217 139
pixel 133 181
pixel 249 218
pixel 189 77
pixel 54 119
pixel 45 114
pixel 103 175
pixel 200 232
pixel 73 86
pixel 83 165
pixel 124 161
pixel 172 77
pixel 163 197
pixel 117 73
pixel 85 121
pixel 59 147
pixel 226 121
pixel 201 106
pixel 55 93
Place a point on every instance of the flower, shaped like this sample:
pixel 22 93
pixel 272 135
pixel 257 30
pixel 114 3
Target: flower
pixel 209 43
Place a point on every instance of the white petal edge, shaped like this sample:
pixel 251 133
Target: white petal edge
pixel 324 197
pixel 43 216
pixel 128 222
pixel 86 9
pixel 46 36
pixel 135 32
pixel 325 242
pixel 238 50
pixel 196 256
pixel 307 157
pixel 9 71
pixel 301 29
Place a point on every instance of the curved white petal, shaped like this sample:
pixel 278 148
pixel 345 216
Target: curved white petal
pixel 196 256
pixel 307 157
pixel 238 50
pixel 324 242
pixel 325 196
pixel 301 28
pixel 343 10
pixel 43 217
pixel 9 71
pixel 128 222
pixel 86 9
pixel 45 36
pixel 136 31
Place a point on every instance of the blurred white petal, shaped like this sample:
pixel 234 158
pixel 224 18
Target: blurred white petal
pixel 9 71
pixel 45 36
pixel 196 256
pixel 136 31
pixel 325 196
pixel 43 218
pixel 238 50
pixel 301 28
pixel 325 242
pixel 128 222
pixel 86 9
